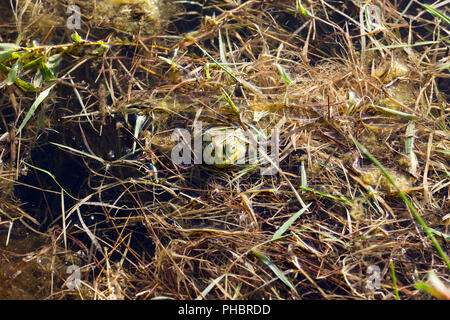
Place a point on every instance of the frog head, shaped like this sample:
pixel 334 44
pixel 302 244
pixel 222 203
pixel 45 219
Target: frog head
pixel 224 146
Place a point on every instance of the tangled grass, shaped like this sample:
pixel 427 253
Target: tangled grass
pixel 358 207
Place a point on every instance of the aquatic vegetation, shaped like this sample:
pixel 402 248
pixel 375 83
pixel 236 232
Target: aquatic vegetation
pixel 348 103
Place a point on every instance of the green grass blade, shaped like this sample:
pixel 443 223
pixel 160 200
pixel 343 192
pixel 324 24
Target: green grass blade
pixel 275 270
pixel 436 13
pixel 343 199
pixel 94 157
pixel 208 75
pixel 302 9
pixel 289 222
pixel 228 71
pixel 394 112
pixel 41 97
pixel 303 180
pixel 209 287
pixel 443 67
pixel 245 84
pixel 237 291
pixel 435 287
pixel 80 100
pixel 405 199
pixel 404 45
pixel 409 145
pixel 394 280
pixel 409 141
pixel 443 166
pixel 168 61
pixel 440 234
pixel 230 102
pixel 54 179
pixel 283 73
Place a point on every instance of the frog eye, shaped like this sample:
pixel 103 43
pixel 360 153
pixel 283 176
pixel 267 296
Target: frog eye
pixel 232 148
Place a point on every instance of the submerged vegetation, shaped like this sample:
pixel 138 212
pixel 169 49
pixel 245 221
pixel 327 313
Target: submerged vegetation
pixel 358 205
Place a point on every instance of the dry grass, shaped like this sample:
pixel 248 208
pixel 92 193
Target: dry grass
pixel 345 73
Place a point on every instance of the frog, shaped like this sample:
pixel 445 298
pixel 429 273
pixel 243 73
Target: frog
pixel 229 146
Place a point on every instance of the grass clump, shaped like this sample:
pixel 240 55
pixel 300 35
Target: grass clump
pixel 358 94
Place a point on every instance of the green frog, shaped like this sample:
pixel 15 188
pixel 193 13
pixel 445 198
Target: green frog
pixel 225 146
